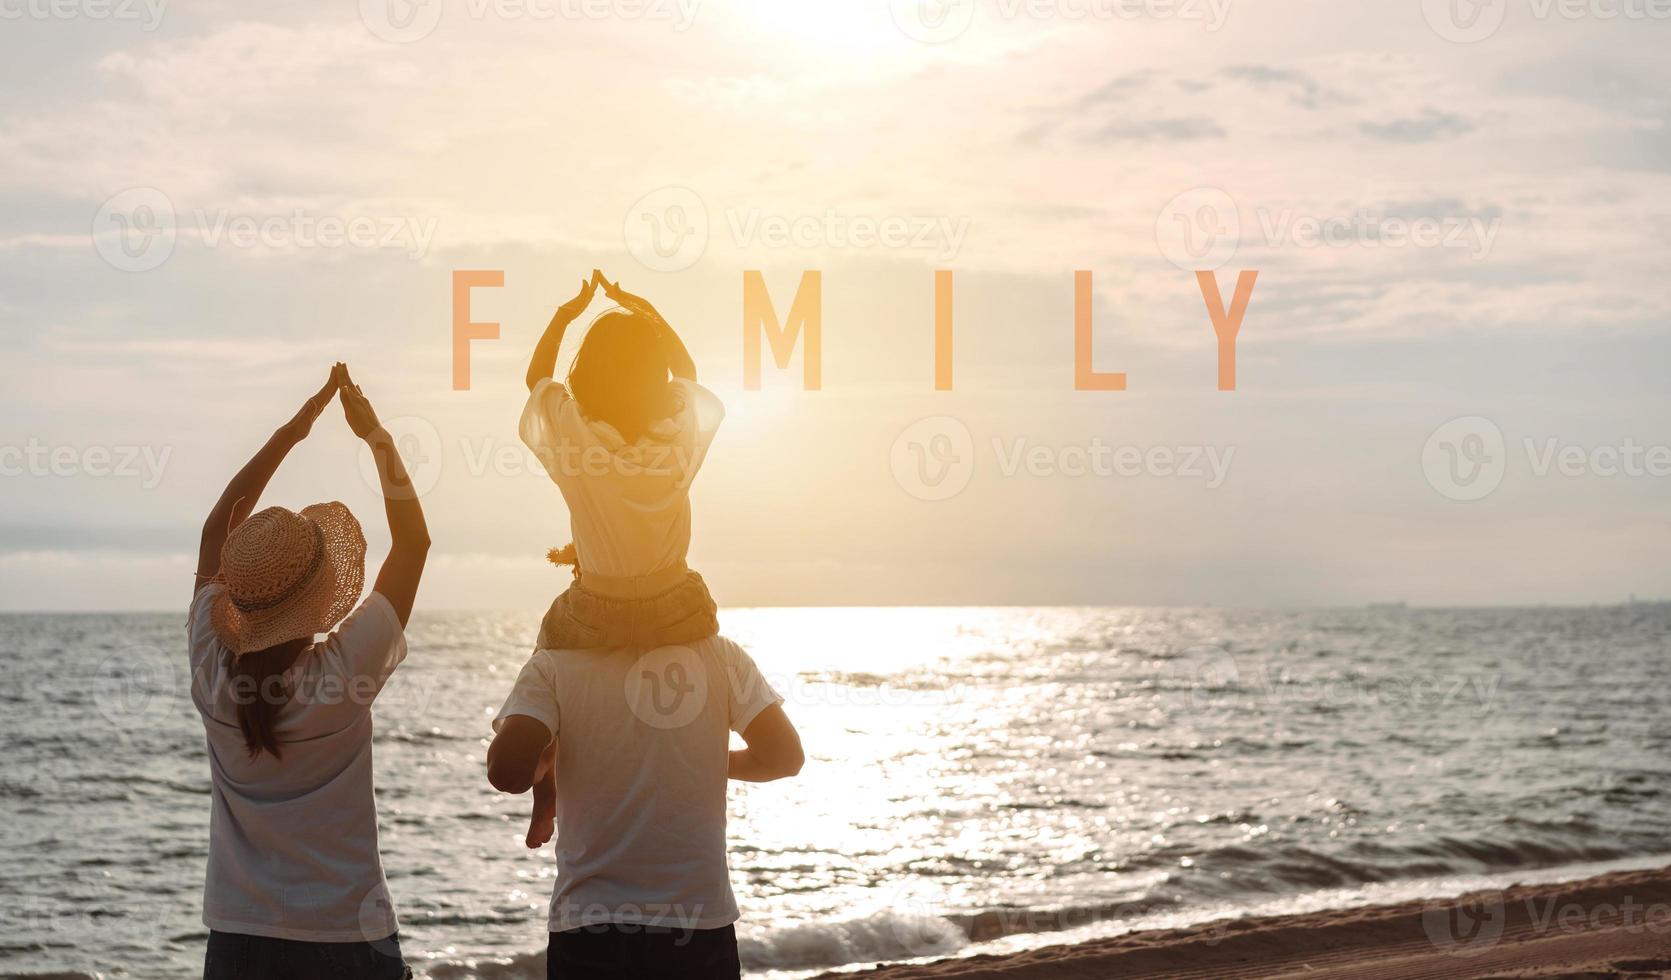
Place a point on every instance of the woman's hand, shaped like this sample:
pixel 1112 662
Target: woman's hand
pixel 362 418
pixel 301 424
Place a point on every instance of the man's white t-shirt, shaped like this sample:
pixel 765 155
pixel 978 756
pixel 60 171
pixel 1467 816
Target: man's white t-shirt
pixel 643 755
pixel 629 504
pixel 293 840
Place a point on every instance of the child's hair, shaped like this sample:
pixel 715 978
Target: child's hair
pixel 620 375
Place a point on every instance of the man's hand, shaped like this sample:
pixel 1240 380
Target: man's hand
pixel 362 419
pixel 301 423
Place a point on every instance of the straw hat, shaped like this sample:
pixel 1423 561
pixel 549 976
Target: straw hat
pixel 288 576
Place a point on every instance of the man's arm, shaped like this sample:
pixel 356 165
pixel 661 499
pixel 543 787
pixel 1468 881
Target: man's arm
pixel 240 496
pixel 774 749
pixel 543 364
pixel 522 753
pixel 397 581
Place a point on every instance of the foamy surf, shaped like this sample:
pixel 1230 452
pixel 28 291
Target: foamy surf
pixel 812 948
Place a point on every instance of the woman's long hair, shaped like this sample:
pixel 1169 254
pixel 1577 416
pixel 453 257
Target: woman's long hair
pixel 620 374
pixel 259 691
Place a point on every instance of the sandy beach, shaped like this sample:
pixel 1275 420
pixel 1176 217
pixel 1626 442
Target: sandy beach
pixel 1608 927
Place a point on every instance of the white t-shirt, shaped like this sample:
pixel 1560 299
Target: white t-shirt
pixel 643 753
pixel 293 840
pixel 629 505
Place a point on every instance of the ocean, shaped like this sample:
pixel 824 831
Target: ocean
pixel 978 779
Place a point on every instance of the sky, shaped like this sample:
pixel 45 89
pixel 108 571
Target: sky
pixel 1449 374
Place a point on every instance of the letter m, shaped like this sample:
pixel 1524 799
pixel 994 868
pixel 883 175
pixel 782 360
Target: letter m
pixel 805 313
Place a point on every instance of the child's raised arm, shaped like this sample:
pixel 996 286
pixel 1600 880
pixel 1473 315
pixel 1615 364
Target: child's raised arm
pixel 678 358
pixel 543 364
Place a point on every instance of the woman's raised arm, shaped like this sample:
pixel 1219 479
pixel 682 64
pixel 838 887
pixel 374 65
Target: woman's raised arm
pixel 408 532
pixel 239 498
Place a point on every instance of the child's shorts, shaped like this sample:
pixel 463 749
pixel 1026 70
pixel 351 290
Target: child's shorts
pixel 665 609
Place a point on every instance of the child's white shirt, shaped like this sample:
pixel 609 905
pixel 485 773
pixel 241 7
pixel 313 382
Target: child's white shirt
pixel 629 505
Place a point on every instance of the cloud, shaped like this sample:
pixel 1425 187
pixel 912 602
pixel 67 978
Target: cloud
pixel 1177 130
pixel 1428 127
pixel 1303 90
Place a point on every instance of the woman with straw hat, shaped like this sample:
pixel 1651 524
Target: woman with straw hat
pixel 295 885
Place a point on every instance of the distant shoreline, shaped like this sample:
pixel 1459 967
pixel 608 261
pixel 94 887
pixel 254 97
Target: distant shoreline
pixel 1611 925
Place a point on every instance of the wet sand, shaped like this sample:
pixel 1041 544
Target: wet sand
pixel 1604 928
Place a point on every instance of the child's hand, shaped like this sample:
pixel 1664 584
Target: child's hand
pixel 582 299
pixel 542 823
pixel 612 290
pixel 626 300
